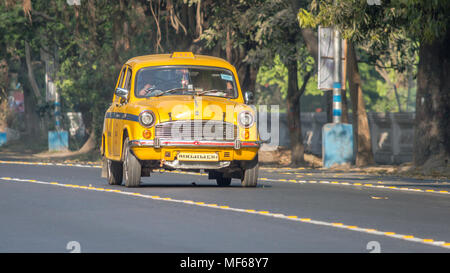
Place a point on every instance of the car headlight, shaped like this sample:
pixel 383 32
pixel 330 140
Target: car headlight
pixel 147 118
pixel 246 119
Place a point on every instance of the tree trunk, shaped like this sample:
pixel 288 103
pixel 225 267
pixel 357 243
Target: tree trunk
pixel 32 120
pixel 228 45
pixel 397 97
pixel 361 130
pixel 90 143
pixel 31 78
pixel 344 106
pixel 311 42
pixel 293 115
pixel 432 125
pixel 247 77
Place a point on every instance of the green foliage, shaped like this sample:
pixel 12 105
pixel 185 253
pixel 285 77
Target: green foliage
pixel 379 28
pixel 87 42
pixel 388 37
pixel 272 83
pixel 421 19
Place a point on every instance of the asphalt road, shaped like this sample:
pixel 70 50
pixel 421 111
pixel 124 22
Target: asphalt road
pixel 62 208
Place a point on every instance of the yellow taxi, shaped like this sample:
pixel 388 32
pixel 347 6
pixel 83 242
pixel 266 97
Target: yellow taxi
pixel 180 111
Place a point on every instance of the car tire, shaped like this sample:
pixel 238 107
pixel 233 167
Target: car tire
pixel 223 181
pixel 250 176
pixel 131 167
pixel 114 172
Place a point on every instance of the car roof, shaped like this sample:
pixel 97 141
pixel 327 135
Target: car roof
pixel 172 59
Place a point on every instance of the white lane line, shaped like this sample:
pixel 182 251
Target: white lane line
pixel 410 238
pixel 367 185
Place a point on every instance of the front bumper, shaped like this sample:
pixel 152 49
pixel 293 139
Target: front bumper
pixel 158 143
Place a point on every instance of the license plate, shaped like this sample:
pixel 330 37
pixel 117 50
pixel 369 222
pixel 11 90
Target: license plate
pixel 198 156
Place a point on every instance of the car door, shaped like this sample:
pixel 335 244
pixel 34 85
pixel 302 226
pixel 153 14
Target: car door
pixel 112 124
pixel 119 121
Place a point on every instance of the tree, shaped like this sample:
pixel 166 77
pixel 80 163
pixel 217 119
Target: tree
pixel 88 44
pixel 361 131
pixel 228 33
pixel 425 22
pixel 18 49
pixel 276 33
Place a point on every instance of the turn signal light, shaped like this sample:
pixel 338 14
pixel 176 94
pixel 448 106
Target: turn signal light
pixel 245 134
pixel 147 134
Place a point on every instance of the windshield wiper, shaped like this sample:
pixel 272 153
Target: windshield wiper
pixel 213 91
pixel 170 90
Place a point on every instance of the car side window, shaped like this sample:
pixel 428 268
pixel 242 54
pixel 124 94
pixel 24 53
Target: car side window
pixel 127 85
pixel 120 83
pixel 122 74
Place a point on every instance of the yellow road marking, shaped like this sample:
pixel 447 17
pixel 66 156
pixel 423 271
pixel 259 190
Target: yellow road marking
pixel 350 184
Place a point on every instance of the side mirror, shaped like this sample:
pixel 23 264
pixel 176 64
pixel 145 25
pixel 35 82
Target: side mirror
pixel 122 93
pixel 248 97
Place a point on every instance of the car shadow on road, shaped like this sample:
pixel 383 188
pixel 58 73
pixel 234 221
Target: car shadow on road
pixel 195 185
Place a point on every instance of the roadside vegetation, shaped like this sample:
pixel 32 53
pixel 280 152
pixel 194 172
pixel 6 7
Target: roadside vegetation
pixel 397 61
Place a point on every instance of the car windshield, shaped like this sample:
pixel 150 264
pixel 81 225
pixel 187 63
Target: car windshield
pixel 183 80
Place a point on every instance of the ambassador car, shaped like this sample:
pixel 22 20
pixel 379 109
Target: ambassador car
pixel 180 111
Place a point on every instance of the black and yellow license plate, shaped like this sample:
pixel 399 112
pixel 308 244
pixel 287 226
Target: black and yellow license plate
pixel 185 156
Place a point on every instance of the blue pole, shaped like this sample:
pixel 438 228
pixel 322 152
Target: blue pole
pixel 337 99
pixel 57 112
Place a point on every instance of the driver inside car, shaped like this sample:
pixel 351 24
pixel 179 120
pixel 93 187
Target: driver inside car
pixel 146 89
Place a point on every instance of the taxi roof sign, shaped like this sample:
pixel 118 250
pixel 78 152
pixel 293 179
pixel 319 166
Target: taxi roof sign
pixel 183 55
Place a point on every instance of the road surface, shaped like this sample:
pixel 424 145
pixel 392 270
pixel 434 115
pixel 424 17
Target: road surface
pixel 69 207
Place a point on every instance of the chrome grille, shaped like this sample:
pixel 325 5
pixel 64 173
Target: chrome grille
pixel 196 130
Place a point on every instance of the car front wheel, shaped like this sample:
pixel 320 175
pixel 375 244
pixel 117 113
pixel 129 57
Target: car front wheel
pixel 131 167
pixel 250 177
